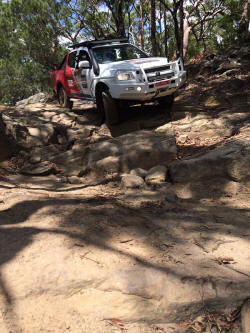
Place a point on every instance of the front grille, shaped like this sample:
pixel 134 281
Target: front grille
pixel 159 73
pixel 155 78
pixel 157 69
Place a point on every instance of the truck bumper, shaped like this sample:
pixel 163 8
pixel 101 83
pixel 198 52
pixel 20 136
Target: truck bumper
pixel 148 91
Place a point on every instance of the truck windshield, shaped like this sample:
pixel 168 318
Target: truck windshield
pixel 113 53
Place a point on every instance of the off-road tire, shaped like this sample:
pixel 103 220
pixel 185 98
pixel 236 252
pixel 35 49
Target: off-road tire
pixel 110 108
pixel 167 101
pixel 63 99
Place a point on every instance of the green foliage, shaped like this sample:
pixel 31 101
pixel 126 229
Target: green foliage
pixel 31 33
pixel 20 80
pixel 29 47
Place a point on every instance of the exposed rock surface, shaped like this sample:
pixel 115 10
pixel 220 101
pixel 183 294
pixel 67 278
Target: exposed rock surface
pixel 76 252
pixel 156 175
pixel 139 172
pixel 40 97
pixel 8 145
pixel 76 146
pixel 142 149
pixel 74 180
pixel 245 317
pixel 132 181
pixel 229 161
pixel 42 169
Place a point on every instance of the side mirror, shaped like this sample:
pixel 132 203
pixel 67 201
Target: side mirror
pixel 84 64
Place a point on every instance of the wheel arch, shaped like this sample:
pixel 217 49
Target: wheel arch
pixel 100 86
pixel 58 86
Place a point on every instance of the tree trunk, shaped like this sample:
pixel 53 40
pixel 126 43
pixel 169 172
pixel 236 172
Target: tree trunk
pixel 116 8
pixel 141 29
pixel 153 29
pixel 244 22
pixel 165 34
pixel 177 33
pixel 160 36
pixel 120 20
pixel 129 17
pixel 186 32
pixel 181 32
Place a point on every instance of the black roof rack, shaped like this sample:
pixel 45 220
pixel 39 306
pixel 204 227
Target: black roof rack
pixel 92 43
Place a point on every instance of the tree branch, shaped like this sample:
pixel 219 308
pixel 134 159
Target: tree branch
pixel 166 6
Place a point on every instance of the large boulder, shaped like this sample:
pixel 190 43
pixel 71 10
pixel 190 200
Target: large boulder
pixel 72 162
pixel 32 99
pixel 139 172
pixel 142 149
pixel 132 181
pixel 230 161
pixel 145 149
pixel 8 144
pixel 40 135
pixel 28 130
pixel 156 175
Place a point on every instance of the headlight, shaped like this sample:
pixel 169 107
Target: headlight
pixel 125 76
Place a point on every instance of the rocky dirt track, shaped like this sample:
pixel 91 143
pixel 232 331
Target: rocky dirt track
pixel 143 227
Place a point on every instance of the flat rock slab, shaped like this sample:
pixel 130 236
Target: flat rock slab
pixel 41 169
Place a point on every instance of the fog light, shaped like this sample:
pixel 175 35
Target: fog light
pixel 138 88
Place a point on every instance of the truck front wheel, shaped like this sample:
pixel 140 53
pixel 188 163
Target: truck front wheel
pixel 166 101
pixel 63 99
pixel 110 108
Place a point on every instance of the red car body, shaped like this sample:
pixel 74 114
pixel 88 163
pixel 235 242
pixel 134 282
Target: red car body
pixel 64 77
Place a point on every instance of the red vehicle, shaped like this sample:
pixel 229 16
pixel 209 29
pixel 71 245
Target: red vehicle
pixel 64 83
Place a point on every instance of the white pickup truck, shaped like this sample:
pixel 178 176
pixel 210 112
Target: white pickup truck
pixel 112 72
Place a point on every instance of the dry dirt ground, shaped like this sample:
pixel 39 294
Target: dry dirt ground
pixel 72 258
pixel 98 257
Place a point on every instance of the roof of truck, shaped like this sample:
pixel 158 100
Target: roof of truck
pixel 96 42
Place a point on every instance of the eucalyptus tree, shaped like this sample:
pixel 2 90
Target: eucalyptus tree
pixel 244 20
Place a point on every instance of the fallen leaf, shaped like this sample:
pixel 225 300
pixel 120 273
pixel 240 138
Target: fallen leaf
pixel 226 261
pixel 116 322
pixel 184 324
pixel 197 327
pixel 210 317
pixel 223 324
pixel 126 240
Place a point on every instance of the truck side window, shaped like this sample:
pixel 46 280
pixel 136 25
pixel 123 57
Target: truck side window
pixel 72 59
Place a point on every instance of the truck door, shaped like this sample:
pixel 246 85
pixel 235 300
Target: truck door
pixel 71 85
pixel 82 77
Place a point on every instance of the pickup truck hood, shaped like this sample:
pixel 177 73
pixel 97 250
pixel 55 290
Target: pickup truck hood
pixel 134 64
